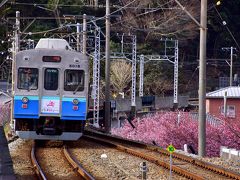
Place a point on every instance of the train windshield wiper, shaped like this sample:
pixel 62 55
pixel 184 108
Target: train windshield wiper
pixel 27 87
pixel 79 85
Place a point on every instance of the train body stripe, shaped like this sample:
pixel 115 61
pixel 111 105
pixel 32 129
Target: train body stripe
pixel 71 99
pixel 29 97
pixel 51 97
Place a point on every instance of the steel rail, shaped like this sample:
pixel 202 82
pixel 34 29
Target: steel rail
pixel 36 166
pixel 150 158
pixel 200 163
pixel 194 161
pixel 76 166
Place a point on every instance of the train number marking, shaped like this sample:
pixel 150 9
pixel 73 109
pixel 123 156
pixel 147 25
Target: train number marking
pixel 74 65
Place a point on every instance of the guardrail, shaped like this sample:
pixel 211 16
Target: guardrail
pixel 210 119
pixel 228 153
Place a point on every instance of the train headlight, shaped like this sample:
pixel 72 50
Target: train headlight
pixel 25 100
pixel 75 101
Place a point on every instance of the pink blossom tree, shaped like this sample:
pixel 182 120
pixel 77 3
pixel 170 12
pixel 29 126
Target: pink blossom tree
pixel 168 127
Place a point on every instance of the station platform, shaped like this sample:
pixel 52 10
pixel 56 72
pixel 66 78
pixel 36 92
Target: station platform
pixel 6 164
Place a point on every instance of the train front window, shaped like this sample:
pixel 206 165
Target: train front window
pixel 51 79
pixel 27 78
pixel 74 80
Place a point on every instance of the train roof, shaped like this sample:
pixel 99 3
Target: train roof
pixel 53 43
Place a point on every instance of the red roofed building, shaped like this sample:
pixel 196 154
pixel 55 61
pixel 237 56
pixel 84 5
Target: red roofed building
pixel 215 102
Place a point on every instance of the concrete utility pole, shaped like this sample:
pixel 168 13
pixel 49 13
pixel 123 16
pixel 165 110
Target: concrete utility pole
pixel 202 81
pixel 107 70
pixel 231 67
pixel 15 49
pixel 84 34
pixel 231 63
pixel 202 75
pixel 225 104
pixel 17 36
pixel 96 3
pixel 78 37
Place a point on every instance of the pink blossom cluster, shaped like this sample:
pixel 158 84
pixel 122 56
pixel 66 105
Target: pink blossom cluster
pixel 179 128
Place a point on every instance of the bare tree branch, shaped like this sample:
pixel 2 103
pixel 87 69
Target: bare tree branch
pixel 165 18
pixel 120 75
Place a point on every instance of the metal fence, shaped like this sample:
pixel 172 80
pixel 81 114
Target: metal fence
pixel 214 121
pixel 5 111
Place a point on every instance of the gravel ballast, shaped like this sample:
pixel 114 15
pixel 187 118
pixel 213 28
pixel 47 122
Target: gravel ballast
pixel 118 164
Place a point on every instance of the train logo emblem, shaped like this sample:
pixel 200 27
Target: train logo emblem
pixel 51 103
pixel 50 106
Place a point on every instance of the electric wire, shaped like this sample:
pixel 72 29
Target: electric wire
pixel 100 18
pixel 227 27
pixel 83 5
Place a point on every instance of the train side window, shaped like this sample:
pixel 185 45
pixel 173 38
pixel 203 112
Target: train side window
pixel 27 78
pixel 74 80
pixel 51 79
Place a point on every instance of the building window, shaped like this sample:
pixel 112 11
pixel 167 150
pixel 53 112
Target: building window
pixel 27 78
pixel 74 80
pixel 51 79
pixel 231 111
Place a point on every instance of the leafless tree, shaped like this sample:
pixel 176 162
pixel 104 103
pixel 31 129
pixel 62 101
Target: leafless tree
pixel 120 77
pixel 157 18
pixel 158 87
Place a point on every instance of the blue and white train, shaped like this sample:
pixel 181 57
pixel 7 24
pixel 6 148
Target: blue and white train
pixel 50 92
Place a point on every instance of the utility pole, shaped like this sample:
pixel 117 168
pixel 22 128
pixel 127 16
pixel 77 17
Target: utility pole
pixel 84 34
pixel 78 37
pixel 202 81
pixel 107 70
pixel 231 63
pixel 231 67
pixel 15 49
pixel 141 76
pixel 96 4
pixel 202 75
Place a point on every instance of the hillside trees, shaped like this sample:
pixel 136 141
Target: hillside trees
pixel 152 20
pixel 162 18
pixel 158 79
pixel 149 20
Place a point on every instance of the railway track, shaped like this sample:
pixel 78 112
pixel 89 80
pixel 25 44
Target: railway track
pixel 43 169
pixel 183 165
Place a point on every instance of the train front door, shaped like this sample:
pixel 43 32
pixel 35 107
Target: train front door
pixel 50 96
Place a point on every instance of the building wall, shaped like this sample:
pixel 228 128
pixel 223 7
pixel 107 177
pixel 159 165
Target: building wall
pixel 213 106
pixel 207 105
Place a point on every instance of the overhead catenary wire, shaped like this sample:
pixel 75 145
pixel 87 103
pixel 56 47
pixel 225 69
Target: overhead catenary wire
pixel 120 8
pixel 152 10
pixel 100 18
pixel 231 34
pixel 80 5
pixel 145 13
